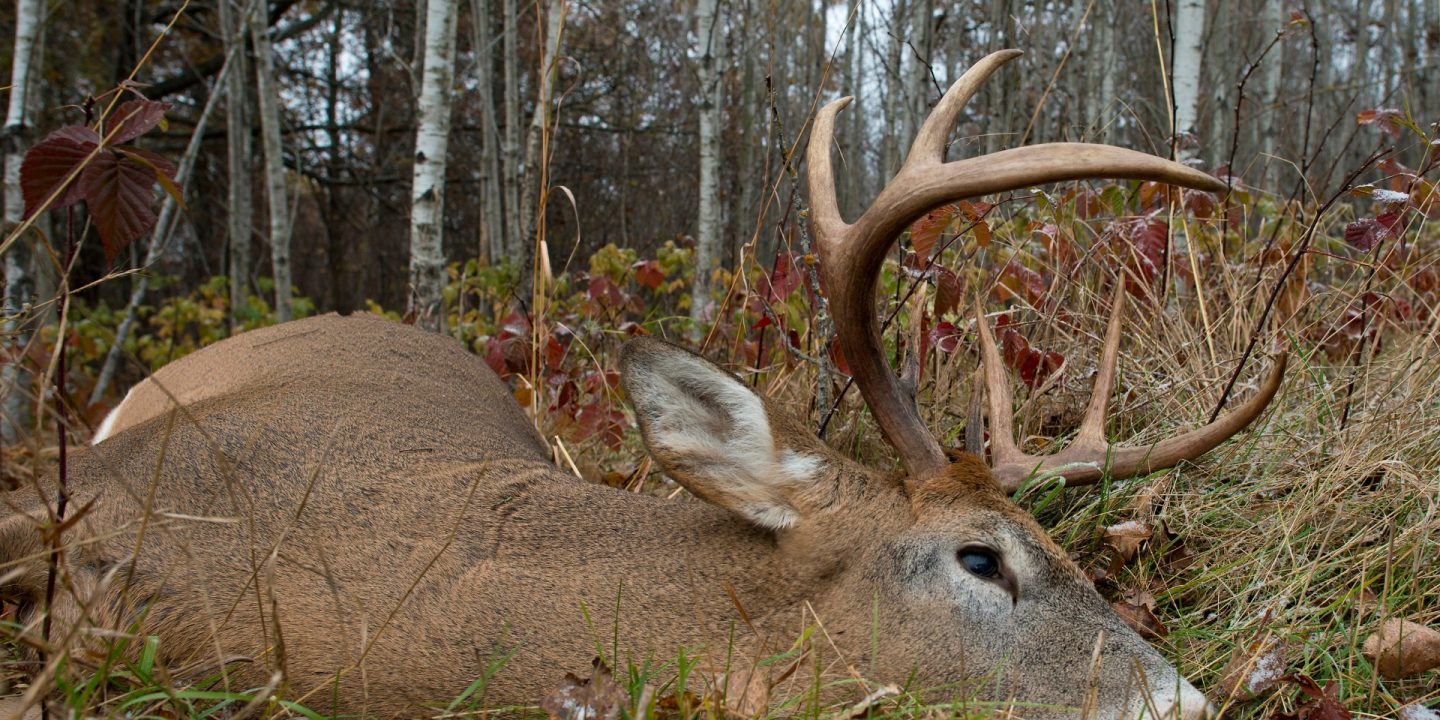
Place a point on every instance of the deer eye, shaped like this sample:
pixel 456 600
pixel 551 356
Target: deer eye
pixel 981 562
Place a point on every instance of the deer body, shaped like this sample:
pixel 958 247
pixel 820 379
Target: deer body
pixel 364 506
pixel 319 491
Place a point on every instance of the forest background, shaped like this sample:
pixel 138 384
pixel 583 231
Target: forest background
pixel 543 179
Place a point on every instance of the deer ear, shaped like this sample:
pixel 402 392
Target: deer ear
pixel 718 438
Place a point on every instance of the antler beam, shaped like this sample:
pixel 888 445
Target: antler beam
pixel 853 253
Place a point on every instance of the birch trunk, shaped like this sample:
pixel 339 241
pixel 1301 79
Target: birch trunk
pixel 1271 123
pixel 15 379
pixel 239 152
pixel 710 33
pixel 492 222
pixel 516 243
pixel 1189 41
pixel 269 104
pixel 427 188
pixel 530 245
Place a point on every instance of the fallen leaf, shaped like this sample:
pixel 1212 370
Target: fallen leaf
pixel 1254 669
pixel 1323 704
pixel 1137 609
pixel 594 698
pixel 1402 648
pixel 1126 538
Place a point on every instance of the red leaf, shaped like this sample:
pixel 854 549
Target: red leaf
pixel 945 337
pixel 947 291
pixel 133 119
pixel 604 291
pixel 925 231
pixel 1200 204
pixel 1389 120
pixel 1364 234
pixel 648 274
pixel 783 280
pixel 121 198
pixel 50 162
pixel 1013 346
pixel 1029 366
pixel 1018 281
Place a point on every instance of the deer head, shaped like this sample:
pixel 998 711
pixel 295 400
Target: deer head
pixel 936 575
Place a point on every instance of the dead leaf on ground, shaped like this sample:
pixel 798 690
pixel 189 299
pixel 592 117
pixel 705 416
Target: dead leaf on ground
pixel 1255 669
pixel 1126 538
pixel 1137 609
pixel 1402 648
pixel 1324 704
pixel 594 698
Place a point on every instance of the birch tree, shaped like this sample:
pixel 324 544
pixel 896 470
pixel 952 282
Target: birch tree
pixel 427 188
pixel 19 273
pixel 516 242
pixel 710 34
pixel 492 222
pixel 238 152
pixel 1189 44
pixel 269 105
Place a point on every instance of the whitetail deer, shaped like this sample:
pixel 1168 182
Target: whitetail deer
pixel 363 505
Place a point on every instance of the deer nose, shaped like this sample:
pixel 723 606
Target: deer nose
pixel 1182 703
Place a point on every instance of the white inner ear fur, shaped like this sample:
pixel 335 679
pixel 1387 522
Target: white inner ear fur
pixel 719 432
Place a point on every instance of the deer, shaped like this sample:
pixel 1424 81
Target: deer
pixel 356 513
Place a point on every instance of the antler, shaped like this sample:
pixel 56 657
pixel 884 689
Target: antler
pixel 1090 456
pixel 853 253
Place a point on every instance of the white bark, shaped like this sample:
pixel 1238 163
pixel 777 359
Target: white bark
pixel 269 102
pixel 19 273
pixel 710 33
pixel 1189 41
pixel 239 155
pixel 427 188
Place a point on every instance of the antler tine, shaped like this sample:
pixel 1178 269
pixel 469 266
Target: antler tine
pixel 1090 456
pixel 929 145
pixel 853 254
pixel 1091 436
pixel 1003 450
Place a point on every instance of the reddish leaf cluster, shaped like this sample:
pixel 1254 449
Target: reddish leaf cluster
pixel 1017 282
pixel 77 163
pixel 580 397
pixel 1140 245
pixel 1033 365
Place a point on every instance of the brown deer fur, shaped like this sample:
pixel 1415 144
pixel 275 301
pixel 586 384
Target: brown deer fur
pixel 363 505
